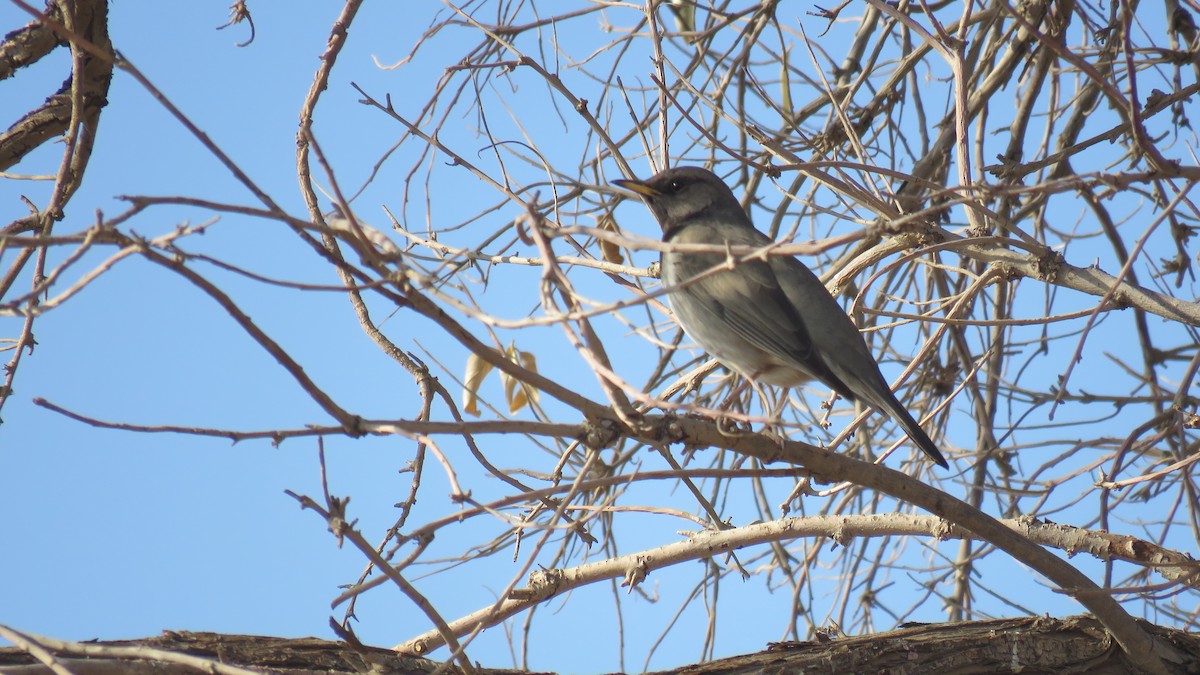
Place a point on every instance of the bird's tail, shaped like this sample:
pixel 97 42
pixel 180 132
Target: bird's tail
pixel 916 433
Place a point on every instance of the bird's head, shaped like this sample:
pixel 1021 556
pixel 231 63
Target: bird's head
pixel 677 195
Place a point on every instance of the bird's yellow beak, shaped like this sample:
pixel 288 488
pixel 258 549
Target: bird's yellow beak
pixel 637 186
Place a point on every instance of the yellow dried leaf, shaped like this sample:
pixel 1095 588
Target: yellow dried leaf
pixel 477 369
pixel 610 251
pixel 517 393
pixel 685 16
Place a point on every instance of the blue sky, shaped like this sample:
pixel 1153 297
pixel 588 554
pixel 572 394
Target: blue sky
pixel 121 535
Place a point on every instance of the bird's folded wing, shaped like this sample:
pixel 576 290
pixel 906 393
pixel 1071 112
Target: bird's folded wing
pixel 750 302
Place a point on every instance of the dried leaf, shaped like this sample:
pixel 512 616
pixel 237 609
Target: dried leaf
pixel 685 16
pixel 477 369
pixel 610 251
pixel 517 393
pixel 785 85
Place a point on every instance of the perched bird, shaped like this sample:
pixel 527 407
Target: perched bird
pixel 770 320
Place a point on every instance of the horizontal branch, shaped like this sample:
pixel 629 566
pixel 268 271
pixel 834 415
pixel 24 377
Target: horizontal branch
pixel 1053 269
pixel 635 567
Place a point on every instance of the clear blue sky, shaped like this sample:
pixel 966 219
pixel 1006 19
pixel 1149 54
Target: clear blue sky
pixel 120 535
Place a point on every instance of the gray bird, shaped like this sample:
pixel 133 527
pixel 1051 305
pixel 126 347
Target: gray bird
pixel 770 320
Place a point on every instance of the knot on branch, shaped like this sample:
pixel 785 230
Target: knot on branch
pixel 599 434
pixel 636 573
pixel 1048 266
pixel 669 430
pixel 542 584
pixel 354 426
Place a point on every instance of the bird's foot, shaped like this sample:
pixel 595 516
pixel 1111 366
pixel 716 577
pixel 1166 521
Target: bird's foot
pixel 731 427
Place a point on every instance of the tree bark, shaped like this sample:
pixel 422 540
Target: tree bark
pixel 1028 645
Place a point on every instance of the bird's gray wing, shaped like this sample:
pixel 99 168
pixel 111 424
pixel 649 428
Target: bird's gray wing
pixel 835 339
pixel 750 301
pixel 838 344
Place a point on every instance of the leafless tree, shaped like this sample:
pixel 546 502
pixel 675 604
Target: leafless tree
pixel 1001 194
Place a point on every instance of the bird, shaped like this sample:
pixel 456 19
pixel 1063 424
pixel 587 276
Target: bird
pixel 769 318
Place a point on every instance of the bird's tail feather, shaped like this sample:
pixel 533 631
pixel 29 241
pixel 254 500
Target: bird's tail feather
pixel 898 412
pixel 918 436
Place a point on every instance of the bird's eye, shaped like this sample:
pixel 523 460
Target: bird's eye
pixel 676 185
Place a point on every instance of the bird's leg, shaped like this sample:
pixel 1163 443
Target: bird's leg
pixel 774 412
pixel 726 425
pixel 735 394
